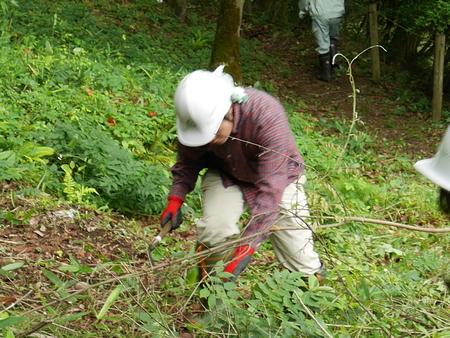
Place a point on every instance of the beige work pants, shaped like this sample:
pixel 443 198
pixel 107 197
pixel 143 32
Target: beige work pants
pixel 223 208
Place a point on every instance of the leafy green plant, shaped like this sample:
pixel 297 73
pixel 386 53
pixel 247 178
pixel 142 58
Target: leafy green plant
pixel 8 166
pixel 75 192
pixel 7 7
pixel 198 41
pixel 113 296
pixel 101 164
pixel 14 162
pixel 14 219
pixel 10 321
pixel 281 304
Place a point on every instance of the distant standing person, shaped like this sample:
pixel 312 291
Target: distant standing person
pixel 326 18
pixel 437 170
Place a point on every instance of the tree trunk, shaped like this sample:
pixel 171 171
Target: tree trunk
pixel 180 8
pixel 226 49
pixel 248 7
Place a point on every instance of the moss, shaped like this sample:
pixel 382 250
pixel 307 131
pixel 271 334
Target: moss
pixel 226 48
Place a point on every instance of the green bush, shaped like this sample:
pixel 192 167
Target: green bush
pixel 99 162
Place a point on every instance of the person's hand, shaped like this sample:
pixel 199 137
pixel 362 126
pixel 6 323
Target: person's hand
pixel 240 260
pixel 302 14
pixel 172 213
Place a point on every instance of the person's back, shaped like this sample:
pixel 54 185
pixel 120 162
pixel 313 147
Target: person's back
pixel 326 18
pixel 326 9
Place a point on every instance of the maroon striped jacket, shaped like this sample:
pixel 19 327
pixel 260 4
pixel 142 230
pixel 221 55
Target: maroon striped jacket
pixel 260 156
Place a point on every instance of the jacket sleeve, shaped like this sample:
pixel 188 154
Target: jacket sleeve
pixel 186 169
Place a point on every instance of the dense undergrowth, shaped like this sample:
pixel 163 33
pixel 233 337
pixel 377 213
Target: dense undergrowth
pixel 86 119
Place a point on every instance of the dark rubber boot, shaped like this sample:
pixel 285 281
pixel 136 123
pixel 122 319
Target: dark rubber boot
pixel 325 65
pixel 333 52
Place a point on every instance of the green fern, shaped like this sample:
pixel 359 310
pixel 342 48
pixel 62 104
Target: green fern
pixel 74 191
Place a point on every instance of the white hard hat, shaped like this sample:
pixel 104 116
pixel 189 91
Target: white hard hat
pixel 201 101
pixel 437 168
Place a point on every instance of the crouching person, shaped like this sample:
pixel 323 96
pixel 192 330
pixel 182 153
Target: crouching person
pixel 242 137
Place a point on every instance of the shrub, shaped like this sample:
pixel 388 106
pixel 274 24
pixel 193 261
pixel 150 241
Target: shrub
pixel 99 162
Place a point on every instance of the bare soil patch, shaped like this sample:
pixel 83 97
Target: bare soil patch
pixel 382 116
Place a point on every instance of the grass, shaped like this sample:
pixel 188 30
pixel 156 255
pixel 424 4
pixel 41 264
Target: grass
pixel 86 106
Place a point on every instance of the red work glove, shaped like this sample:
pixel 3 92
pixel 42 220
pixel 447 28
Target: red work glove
pixel 240 260
pixel 172 212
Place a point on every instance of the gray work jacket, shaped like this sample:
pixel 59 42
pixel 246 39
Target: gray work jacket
pixel 324 9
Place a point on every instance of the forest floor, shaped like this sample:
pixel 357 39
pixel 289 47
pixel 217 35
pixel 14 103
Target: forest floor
pixel 54 233
pixel 382 115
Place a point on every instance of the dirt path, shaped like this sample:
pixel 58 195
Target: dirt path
pixel 383 117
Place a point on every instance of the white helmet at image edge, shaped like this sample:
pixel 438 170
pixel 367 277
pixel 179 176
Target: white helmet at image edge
pixel 437 168
pixel 202 99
